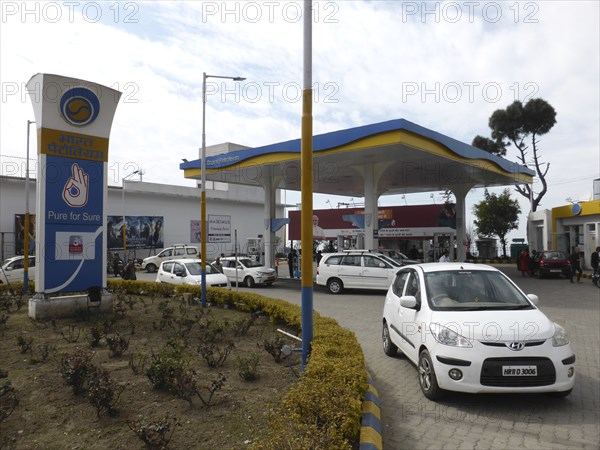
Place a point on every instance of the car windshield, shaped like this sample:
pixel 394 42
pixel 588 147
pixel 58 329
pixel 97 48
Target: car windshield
pixel 472 290
pixel 9 260
pixel 247 262
pixel 195 268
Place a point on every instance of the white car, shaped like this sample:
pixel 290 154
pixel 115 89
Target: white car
pixel 247 271
pixel 179 251
pixel 12 269
pixel 356 269
pixel 469 328
pixel 189 271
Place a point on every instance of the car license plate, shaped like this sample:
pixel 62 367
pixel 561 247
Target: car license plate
pixel 519 371
pixel 555 270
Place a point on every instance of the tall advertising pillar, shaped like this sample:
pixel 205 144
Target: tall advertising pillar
pixel 73 119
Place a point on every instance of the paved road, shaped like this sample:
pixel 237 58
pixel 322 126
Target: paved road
pixel 476 421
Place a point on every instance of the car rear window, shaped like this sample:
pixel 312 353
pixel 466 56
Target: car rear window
pixel 551 255
pixel 334 260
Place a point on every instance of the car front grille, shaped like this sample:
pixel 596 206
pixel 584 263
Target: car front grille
pixel 491 372
pixel 503 344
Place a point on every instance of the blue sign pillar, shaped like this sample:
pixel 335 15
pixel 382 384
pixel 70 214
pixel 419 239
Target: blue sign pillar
pixel 73 119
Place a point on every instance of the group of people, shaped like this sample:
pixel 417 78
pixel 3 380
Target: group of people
pixel 127 271
pixel 525 263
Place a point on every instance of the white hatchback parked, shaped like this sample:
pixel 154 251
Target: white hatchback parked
pixel 13 269
pixel 189 271
pixel 469 328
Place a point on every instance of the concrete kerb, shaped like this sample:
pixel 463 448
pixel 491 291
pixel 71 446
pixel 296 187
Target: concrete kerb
pixel 370 431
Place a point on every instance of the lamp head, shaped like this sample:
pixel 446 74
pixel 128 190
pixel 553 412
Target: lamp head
pixel 238 78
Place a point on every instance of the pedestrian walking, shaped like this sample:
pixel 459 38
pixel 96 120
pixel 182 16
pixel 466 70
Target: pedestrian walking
pixel 596 261
pixel 576 264
pixel 129 271
pixel 524 262
pixel 117 265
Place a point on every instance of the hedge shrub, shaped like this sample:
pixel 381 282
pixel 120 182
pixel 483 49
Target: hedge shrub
pixel 323 410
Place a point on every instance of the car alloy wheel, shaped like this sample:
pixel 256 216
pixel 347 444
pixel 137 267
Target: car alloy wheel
pixel 335 286
pixel 249 282
pixel 427 378
pixel 388 346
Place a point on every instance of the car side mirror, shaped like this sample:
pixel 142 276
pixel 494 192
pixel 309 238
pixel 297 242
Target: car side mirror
pixel 408 301
pixel 180 273
pixel 533 298
pixel 381 265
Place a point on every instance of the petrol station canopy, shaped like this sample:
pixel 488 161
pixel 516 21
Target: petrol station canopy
pixel 405 158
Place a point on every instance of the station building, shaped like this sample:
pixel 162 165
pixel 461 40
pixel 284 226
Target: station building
pixel 157 216
pixel 565 227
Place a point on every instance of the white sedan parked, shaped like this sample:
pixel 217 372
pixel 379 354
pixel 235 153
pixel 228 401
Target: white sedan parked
pixel 188 271
pixel 469 328
pixel 12 269
pixel 246 270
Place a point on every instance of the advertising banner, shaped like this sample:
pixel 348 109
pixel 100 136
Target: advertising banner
pixel 73 120
pixel 142 232
pixel 393 222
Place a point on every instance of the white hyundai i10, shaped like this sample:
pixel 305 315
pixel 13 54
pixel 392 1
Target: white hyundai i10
pixel 469 328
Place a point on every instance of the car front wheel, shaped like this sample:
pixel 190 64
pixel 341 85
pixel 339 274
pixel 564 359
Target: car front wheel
pixel 335 286
pixel 249 282
pixel 427 378
pixel 388 346
pixel 150 268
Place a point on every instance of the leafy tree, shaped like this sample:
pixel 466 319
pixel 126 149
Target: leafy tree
pixel 497 215
pixel 515 125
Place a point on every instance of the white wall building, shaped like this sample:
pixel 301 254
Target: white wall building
pixel 178 205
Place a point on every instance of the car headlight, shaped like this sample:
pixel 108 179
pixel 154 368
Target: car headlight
pixel 560 337
pixel 262 274
pixel 446 336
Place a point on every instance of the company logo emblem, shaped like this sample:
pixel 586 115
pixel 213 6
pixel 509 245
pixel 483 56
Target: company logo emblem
pixel 75 192
pixel 79 106
pixel 516 346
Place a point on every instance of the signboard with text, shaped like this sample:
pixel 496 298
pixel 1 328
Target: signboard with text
pixel 73 120
pixel 219 229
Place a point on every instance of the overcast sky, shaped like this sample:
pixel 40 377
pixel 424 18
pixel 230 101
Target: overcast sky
pixel 444 65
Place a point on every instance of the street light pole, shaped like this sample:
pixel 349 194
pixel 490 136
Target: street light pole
pixel 26 224
pixel 203 227
pixel 124 227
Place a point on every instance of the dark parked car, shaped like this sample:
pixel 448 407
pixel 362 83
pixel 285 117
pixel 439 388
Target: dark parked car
pixel 551 262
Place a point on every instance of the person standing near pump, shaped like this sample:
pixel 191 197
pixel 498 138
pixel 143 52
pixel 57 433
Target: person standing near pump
pixel 576 264
pixel 596 264
pixel 291 257
pixel 218 264
pixel 445 257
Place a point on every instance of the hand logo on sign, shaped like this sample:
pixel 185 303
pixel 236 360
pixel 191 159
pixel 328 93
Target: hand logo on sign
pixel 75 193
